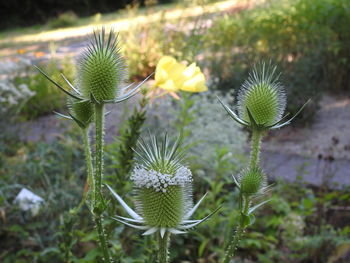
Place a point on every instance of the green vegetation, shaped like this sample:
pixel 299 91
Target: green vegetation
pixel 47 97
pixel 66 19
pixel 309 40
pixel 300 224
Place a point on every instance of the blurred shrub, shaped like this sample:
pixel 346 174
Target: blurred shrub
pixel 146 43
pixel 47 97
pixel 24 13
pixel 13 96
pixel 309 39
pixel 63 20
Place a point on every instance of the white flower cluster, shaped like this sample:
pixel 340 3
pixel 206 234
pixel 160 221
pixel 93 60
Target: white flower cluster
pixel 153 179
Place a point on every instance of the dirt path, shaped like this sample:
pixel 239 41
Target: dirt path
pixel 319 153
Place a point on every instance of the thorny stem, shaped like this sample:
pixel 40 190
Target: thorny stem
pixel 244 201
pixel 99 123
pixel 90 177
pixel 99 112
pixel 231 249
pixel 255 150
pixel 90 186
pixel 163 254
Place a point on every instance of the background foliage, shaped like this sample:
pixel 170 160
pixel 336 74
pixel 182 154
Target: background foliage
pixel 24 13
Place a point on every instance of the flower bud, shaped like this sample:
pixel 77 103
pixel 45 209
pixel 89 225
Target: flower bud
pixel 252 181
pixel 81 111
pixel 101 68
pixel 263 95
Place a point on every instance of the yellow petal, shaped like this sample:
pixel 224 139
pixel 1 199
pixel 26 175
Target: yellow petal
pixel 161 76
pixel 195 84
pixel 163 68
pixel 169 85
pixel 190 70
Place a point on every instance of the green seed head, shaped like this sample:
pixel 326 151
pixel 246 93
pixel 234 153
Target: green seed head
pixel 252 181
pixel 263 95
pixel 101 69
pixel 82 111
pixel 163 187
pixel 162 209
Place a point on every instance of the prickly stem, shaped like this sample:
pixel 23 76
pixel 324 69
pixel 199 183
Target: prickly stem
pixel 99 111
pixel 255 148
pixel 232 247
pixel 102 239
pixel 163 253
pixel 99 126
pixel 90 177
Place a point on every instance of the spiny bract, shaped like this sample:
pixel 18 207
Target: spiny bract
pixel 101 69
pixel 263 95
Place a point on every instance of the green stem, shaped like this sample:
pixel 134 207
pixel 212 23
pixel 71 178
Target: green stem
pixel 99 126
pixel 90 178
pixel 231 249
pixel 255 150
pixel 163 255
pixel 99 123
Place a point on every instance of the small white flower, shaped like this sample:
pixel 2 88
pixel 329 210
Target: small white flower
pixel 27 200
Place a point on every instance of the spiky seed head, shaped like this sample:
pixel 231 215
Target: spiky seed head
pixel 101 68
pixel 83 111
pixel 263 95
pixel 163 187
pixel 160 154
pixel 252 181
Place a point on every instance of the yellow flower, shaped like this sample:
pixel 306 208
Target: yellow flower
pixel 173 76
pixel 195 80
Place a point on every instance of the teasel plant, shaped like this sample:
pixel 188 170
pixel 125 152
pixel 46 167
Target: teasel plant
pixel 162 193
pixel 100 80
pixel 260 108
